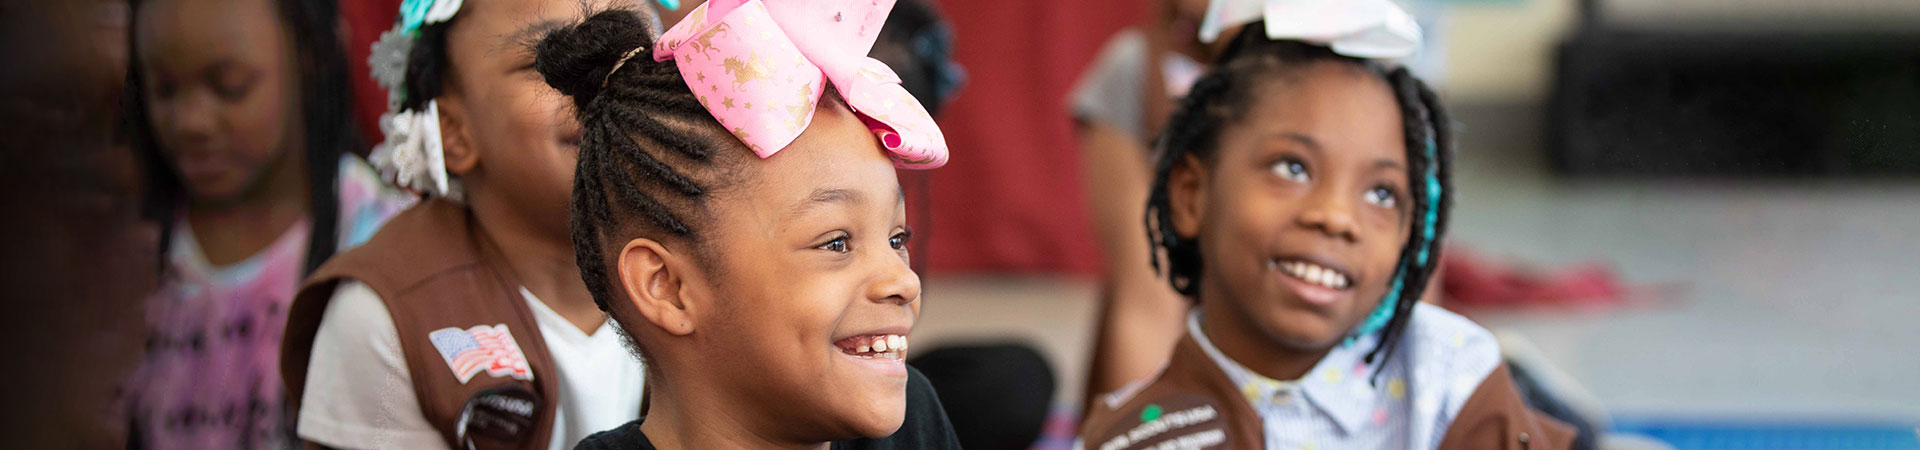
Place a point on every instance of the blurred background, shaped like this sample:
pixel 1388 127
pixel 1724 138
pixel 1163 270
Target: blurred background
pixel 1724 189
pixel 1700 218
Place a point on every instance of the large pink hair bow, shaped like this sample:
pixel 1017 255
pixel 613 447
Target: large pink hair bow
pixel 761 67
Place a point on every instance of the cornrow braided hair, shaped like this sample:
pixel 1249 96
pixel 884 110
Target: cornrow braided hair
pixel 1224 95
pixel 650 153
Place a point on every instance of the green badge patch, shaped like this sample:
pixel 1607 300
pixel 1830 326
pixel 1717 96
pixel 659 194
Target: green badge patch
pixel 1151 413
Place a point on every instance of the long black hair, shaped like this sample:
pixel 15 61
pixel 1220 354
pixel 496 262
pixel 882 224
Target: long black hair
pixel 324 107
pixel 1224 95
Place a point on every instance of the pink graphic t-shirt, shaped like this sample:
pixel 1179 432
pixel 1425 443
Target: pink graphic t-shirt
pixel 211 376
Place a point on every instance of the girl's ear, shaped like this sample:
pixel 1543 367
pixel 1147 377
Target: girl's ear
pixel 455 142
pixel 1186 195
pixel 652 279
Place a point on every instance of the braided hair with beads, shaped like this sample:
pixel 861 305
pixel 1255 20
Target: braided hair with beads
pixel 1223 96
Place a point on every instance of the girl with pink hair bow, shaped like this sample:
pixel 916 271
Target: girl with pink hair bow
pixel 736 212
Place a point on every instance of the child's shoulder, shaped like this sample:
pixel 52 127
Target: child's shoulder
pixel 1190 403
pixel 1450 356
pixel 1435 335
pixel 1465 382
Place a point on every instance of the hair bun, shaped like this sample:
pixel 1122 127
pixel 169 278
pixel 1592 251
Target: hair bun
pixel 575 59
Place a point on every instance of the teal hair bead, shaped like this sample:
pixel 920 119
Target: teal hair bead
pixel 413 14
pixel 1384 313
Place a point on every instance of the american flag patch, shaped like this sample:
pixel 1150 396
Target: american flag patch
pixel 482 348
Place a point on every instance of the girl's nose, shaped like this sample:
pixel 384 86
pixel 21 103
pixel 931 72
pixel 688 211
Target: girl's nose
pixel 1331 214
pixel 192 116
pixel 895 282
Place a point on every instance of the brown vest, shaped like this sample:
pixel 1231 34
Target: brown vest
pixel 440 277
pixel 1195 402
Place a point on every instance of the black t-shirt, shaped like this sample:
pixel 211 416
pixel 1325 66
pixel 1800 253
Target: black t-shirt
pixel 925 427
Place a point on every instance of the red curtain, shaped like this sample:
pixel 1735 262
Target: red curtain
pixel 1010 199
pixel 363 21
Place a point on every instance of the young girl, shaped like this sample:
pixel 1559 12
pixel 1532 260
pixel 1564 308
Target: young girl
pixel 463 323
pixel 236 107
pixel 736 211
pixel 1300 198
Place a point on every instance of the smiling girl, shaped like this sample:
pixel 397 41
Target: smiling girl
pixel 1300 199
pixel 736 211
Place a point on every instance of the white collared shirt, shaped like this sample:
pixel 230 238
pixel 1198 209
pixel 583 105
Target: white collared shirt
pixel 1336 405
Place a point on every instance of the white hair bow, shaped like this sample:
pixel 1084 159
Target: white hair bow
pixel 1357 28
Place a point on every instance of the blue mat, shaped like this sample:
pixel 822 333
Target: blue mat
pixel 1808 435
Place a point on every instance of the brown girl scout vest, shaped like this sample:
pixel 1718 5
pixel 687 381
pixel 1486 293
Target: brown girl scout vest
pixel 480 368
pixel 1203 409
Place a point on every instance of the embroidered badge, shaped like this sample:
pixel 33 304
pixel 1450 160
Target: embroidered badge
pixel 1177 422
pixel 482 348
pixel 497 417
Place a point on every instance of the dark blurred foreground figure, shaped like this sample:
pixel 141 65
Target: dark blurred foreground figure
pixel 78 256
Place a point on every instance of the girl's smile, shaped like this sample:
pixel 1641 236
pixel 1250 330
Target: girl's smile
pixel 1313 279
pixel 884 351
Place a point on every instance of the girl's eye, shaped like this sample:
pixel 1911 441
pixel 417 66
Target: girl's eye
pixel 837 245
pixel 899 240
pixel 1381 196
pixel 1291 169
pixel 233 87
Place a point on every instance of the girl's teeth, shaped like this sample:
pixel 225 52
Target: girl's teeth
pixel 1315 274
pixel 882 346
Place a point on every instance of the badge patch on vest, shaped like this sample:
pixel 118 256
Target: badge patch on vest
pixel 1178 422
pixel 482 348
pixel 497 417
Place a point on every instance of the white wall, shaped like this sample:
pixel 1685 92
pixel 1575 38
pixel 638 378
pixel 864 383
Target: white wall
pixel 1503 51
